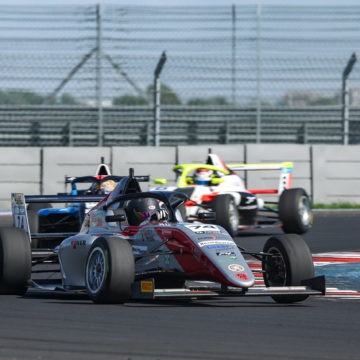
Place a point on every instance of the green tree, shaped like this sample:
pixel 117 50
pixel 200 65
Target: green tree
pixel 323 101
pixel 25 97
pixel 20 97
pixel 67 99
pixel 167 95
pixel 216 100
pixel 128 99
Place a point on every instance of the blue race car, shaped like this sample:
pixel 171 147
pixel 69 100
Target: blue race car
pixel 43 218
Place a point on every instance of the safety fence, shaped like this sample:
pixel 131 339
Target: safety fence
pixel 84 75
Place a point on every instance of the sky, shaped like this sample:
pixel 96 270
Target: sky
pixel 184 2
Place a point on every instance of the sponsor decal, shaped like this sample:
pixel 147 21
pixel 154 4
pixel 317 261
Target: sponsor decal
pixel 225 253
pixel 236 267
pixel 241 276
pixel 78 243
pixel 203 228
pixel 147 286
pixel 216 242
pixel 207 238
pixel 225 260
pixel 211 247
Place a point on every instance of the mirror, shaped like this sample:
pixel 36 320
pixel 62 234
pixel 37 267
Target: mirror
pixel 113 218
pixel 209 216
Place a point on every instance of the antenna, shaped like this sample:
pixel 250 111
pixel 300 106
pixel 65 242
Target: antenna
pixel 131 172
pixel 209 151
pixel 102 160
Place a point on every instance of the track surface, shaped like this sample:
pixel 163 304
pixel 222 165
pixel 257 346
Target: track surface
pixel 59 326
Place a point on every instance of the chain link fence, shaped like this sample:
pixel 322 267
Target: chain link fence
pixel 75 76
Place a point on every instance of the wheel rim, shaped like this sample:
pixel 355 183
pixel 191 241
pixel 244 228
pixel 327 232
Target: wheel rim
pixel 275 268
pixel 95 270
pixel 233 216
pixel 305 210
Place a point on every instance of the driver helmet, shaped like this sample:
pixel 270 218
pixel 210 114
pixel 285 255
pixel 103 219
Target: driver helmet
pixel 203 176
pixel 107 186
pixel 94 188
pixel 139 210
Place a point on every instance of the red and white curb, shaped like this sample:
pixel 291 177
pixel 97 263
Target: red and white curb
pixel 320 260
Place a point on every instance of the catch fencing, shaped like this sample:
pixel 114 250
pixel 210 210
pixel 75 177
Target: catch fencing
pixel 84 75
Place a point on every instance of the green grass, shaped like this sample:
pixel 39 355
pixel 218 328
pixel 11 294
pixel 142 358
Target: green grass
pixel 345 205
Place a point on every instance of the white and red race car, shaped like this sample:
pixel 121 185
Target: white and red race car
pixel 215 186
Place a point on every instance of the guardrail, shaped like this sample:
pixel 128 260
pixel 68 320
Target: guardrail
pixel 180 125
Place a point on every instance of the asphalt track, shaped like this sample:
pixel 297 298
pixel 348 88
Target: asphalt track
pixel 60 326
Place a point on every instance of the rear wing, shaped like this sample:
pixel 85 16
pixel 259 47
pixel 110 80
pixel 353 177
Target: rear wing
pixel 285 175
pixel 85 179
pixel 19 211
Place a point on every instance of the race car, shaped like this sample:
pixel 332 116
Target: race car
pixel 214 186
pixel 135 245
pixel 44 218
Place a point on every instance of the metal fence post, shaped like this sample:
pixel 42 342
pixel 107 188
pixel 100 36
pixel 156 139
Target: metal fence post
pixel 345 99
pixel 157 91
pixel 233 55
pixel 99 74
pixel 258 73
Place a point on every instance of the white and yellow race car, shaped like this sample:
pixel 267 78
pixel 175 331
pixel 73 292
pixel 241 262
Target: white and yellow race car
pixel 215 186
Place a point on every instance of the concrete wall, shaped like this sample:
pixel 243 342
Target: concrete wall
pixel 336 173
pixel 154 161
pixel 59 162
pixel 20 171
pixel 328 173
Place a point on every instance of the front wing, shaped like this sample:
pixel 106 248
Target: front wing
pixel 145 289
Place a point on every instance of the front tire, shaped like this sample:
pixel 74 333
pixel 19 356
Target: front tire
pixel 290 263
pixel 227 214
pixel 110 270
pixel 15 261
pixel 295 211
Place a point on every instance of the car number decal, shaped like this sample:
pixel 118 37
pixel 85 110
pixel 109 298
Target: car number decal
pixel 203 228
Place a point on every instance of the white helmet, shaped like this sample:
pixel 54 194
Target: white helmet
pixel 203 176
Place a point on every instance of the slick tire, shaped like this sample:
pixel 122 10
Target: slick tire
pixel 110 271
pixel 295 211
pixel 227 214
pixel 15 261
pixel 290 263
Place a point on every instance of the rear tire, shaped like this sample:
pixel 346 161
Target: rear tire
pixel 15 261
pixel 33 219
pixel 295 211
pixel 110 270
pixel 227 214
pixel 290 264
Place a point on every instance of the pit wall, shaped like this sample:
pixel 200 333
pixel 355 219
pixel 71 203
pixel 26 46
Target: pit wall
pixel 329 173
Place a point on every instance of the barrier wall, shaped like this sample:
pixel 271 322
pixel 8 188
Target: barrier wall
pixel 21 171
pixel 328 173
